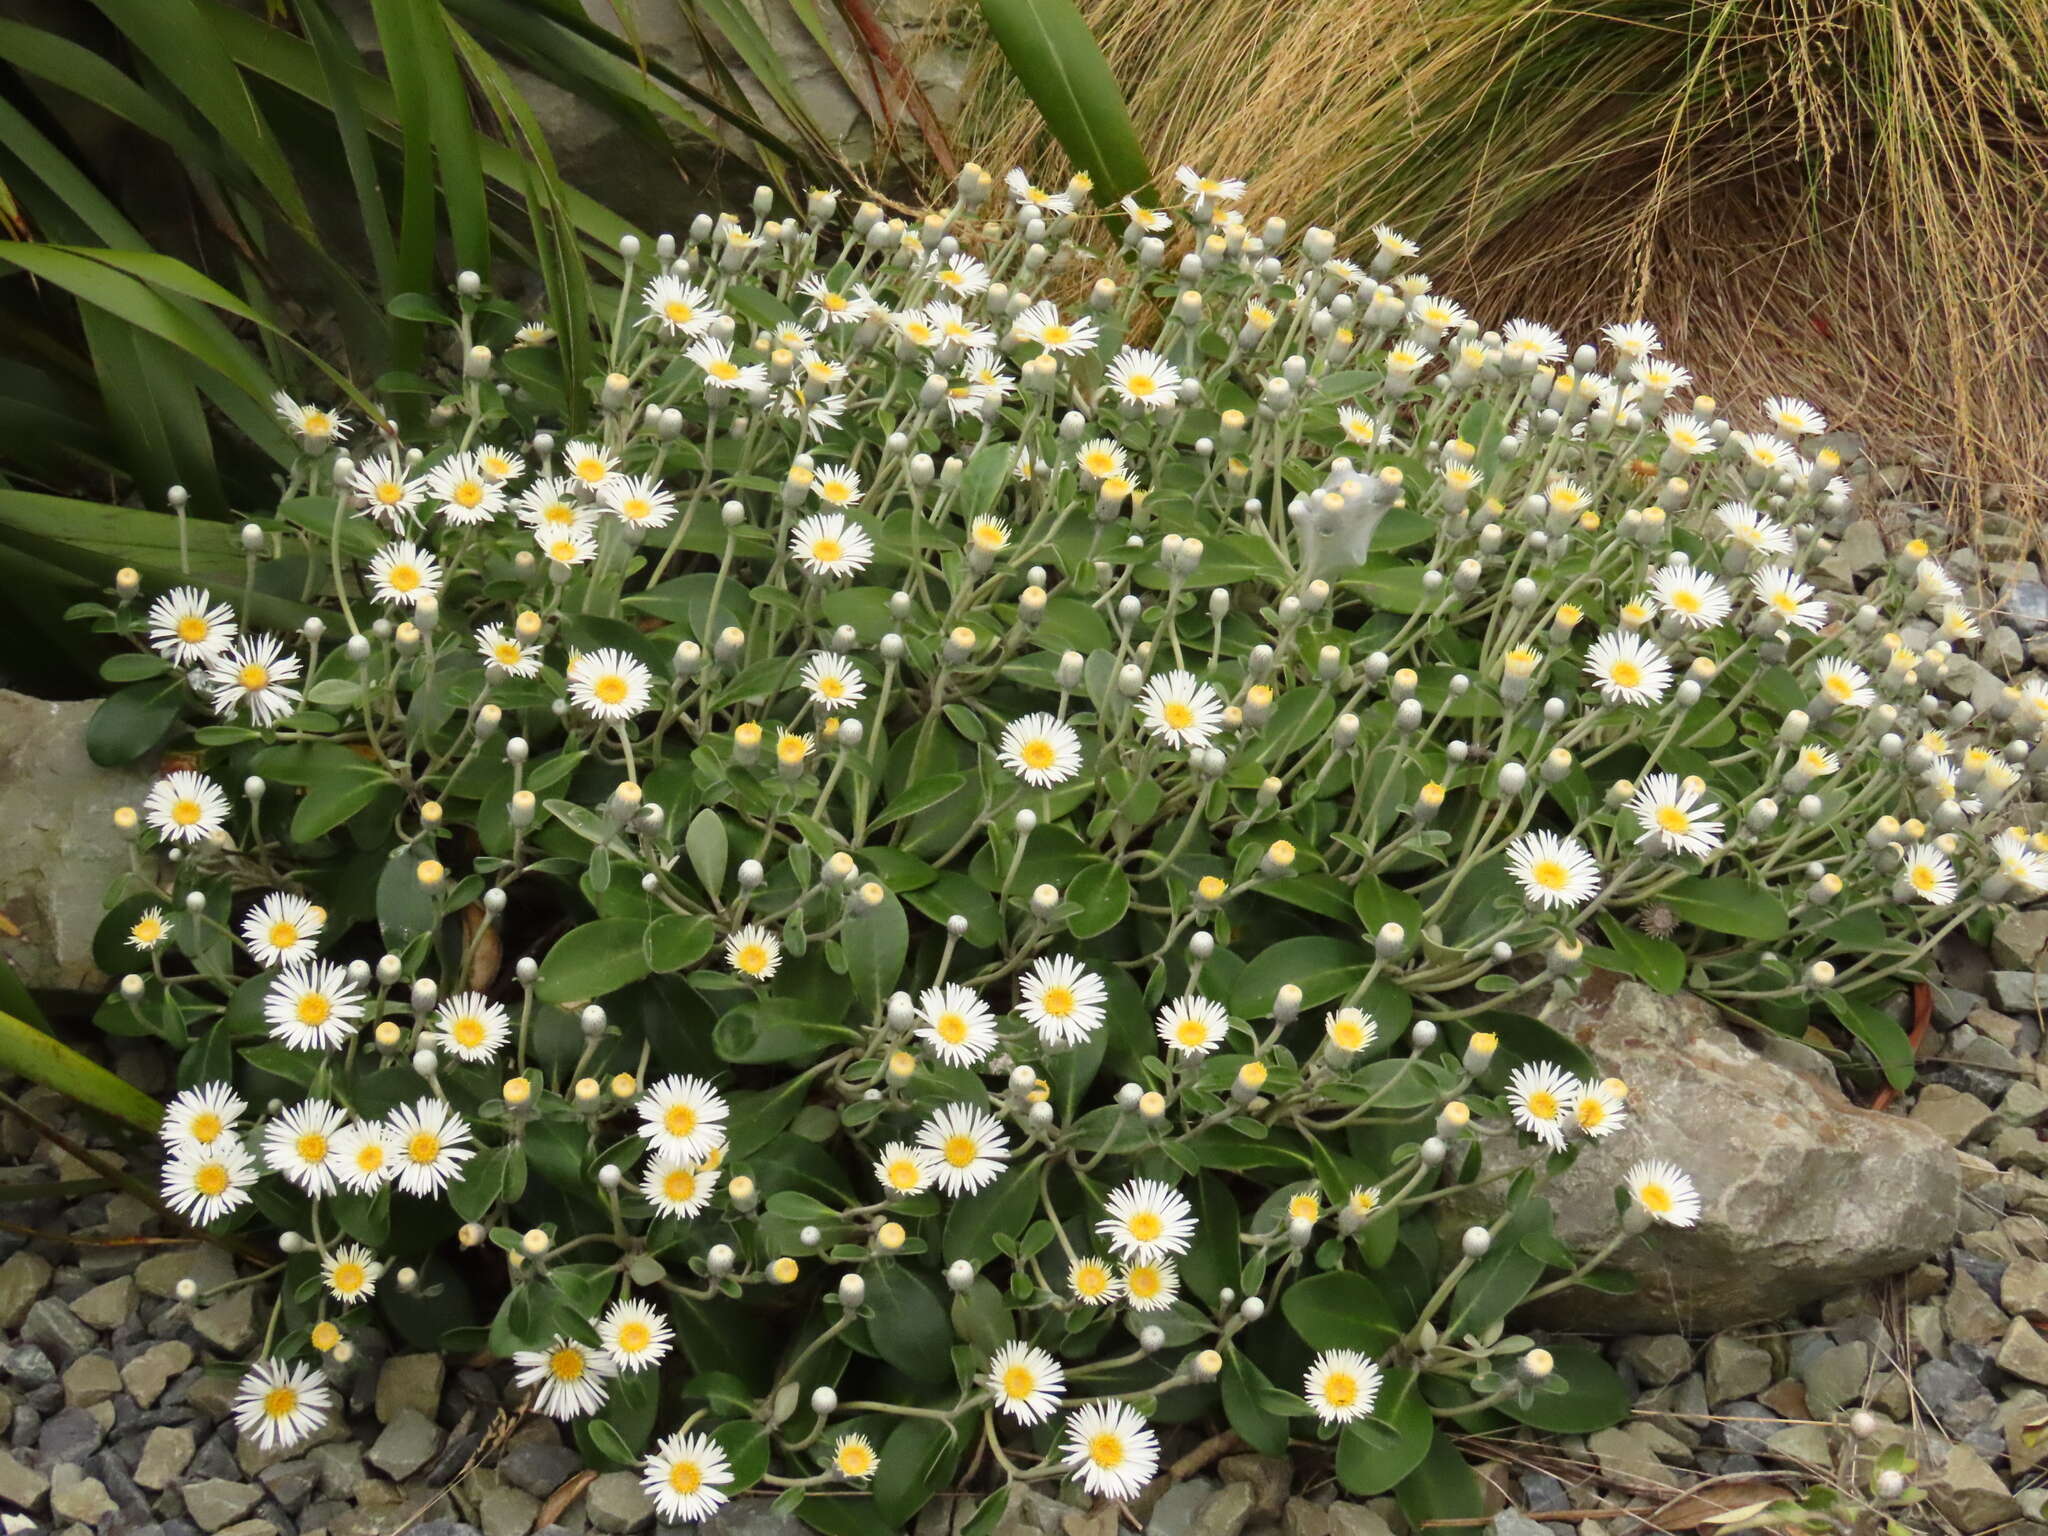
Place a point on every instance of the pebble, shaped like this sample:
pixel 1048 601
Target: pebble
pixel 617 1502
pixel 1969 1313
pixel 53 1328
pixel 215 1502
pixel 154 1369
pixel 1735 1368
pixel 20 1485
pixel 92 1379
pixel 1658 1358
pixel 107 1305
pixel 2024 1352
pixel 407 1444
pixel 1225 1512
pixel 1968 1492
pixel 27 1366
pixel 22 1279
pixel 165 1455
pixel 229 1325
pixel 1835 1378
pixel 71 1435
pixel 538 1468
pixel 1953 1395
pixel 409 1382
pixel 507 1511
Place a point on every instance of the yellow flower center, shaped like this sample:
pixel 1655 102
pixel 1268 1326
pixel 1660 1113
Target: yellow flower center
pixel 1038 753
pixel 1019 1382
pixel 348 1277
pixel 315 1008
pixel 634 1337
pixel 206 1127
pixel 1592 1114
pixel 211 1180
pixel 1542 1105
pixel 280 1402
pixel 1177 714
pixel 192 629
pixel 186 813
pixel 679 1120
pixel 424 1147
pixel 827 551
pixel 1057 1002
pixel 1625 674
pixel 370 1156
pixel 1348 1035
pixel 1145 1227
pixel 254 675
pixel 752 958
pixel 1671 819
pixel 678 313
pixel 467 1031
pixel 686 1477
pixel 1144 1281
pixel 723 368
pixel 283 935
pixel 508 653
pixel 609 689
pixel 470 493
pixel 1091 1280
pixel 1340 1389
pixel 567 1364
pixel 1140 384
pixel 312 1148
pixel 1655 1198
pixel 961 1150
pixel 1107 1451
pixel 951 1028
pixel 904 1174
pixel 680 1186
pixel 1191 1032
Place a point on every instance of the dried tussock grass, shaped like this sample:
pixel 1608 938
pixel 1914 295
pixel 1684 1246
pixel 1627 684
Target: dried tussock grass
pixel 1845 198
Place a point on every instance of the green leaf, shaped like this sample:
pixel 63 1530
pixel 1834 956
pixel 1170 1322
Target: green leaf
pixel 1443 1486
pixel 921 796
pixel 1056 60
pixel 131 722
pixel 335 797
pixel 1376 1453
pixel 680 939
pixel 27 1052
pixel 907 1323
pixel 705 843
pixel 1654 961
pixel 876 945
pixel 594 961
pixel 1593 1399
pixel 1727 904
pixel 1005 1206
pixel 1340 1309
pixel 1324 969
pixel 1103 893
pixel 1878 1030
pixel 1245 1390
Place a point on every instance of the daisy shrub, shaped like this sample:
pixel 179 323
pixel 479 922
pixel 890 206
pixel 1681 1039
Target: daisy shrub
pixel 952 874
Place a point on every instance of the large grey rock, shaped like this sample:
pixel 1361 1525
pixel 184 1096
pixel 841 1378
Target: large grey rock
pixel 61 847
pixel 1803 1193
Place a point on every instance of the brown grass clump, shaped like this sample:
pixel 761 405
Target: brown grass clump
pixel 1841 198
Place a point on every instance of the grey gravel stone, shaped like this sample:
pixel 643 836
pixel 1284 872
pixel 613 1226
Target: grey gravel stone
pixel 407 1444
pixel 22 1279
pixel 1225 1512
pixel 27 1366
pixel 52 1328
pixel 107 1305
pixel 1835 1378
pixel 1267 1476
pixel 215 1502
pixel 1174 1514
pixel 91 1379
pixel 1968 1492
pixel 538 1468
pixel 165 1455
pixel 617 1502
pixel 409 1381
pixel 2020 991
pixel 1953 1395
pixel 1747 1426
pixel 154 1369
pixel 1658 1358
pixel 203 1263
pixel 75 1496
pixel 71 1435
pixel 507 1511
pixel 21 1485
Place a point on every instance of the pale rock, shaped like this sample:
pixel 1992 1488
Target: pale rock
pixel 20 1485
pixel 214 1502
pixel 155 1368
pixel 205 1264
pixel 22 1279
pixel 91 1379
pixel 1953 1115
pixel 165 1455
pixel 1968 1492
pixel 617 1502
pixel 409 1381
pixel 107 1306
pixel 1736 1367
pixel 1804 1194
pixel 2024 1352
pixel 1969 1313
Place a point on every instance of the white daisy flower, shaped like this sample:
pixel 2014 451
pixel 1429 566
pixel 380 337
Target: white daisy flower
pixel 365 1157
pixel 1142 377
pixel 679 307
pixel 282 928
pixel 634 1335
pixel 1041 323
pixel 430 1143
pixel 315 426
pixel 1151 1286
pixel 299 1144
pixel 1101 458
pixel 1110 1450
pixel 1690 435
pixel 468 497
pixel 499 465
pixel 1628 668
pixel 201 1115
pixel 1092 1282
pixel 470 1027
pixel 1351 1030
pixel 609 685
pixel 568 1378
pixel 205 1183
pixel 1025 195
pixel 686 1475
pixel 1180 709
pixel 188 627
pixel 676 1186
pixel 551 502
pixel 837 485
pixel 968 1145
pixel 683 1117
pixel 1602 1108
pixel 1665 1191
pixel 638 501
pixel 1935 584
pixel 278 1405
pixel 185 807
pixel 1040 749
pixel 957 1025
pixel 2018 862
pixel 1928 875
pixel 721 373
pixel 1752 530
pixel 1362 429
pixel 903 1170
pixel 1542 1096
pixel 753 952
pixel 1146 1220
pixel 1698 601
pixel 853 1457
pixel 988 535
pixel 832 682
pixel 956 329
pixel 1341 1385
pixel 1192 1025
pixel 589 466
pixel 1794 417
pixel 1062 999
pixel 1675 815
pixel 1202 191
pixel 826 544
pixel 350 1273
pixel 1843 683
pixel 505 653
pixel 568 547
pixel 1779 589
pixel 255 675
pixel 313 1006
pixel 388 495
pixel 1150 220
pixel 1632 339
pixel 1553 871
pixel 1527 343
pixel 1765 450
pixel 959 274
pixel 149 931
pixel 1026 1382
